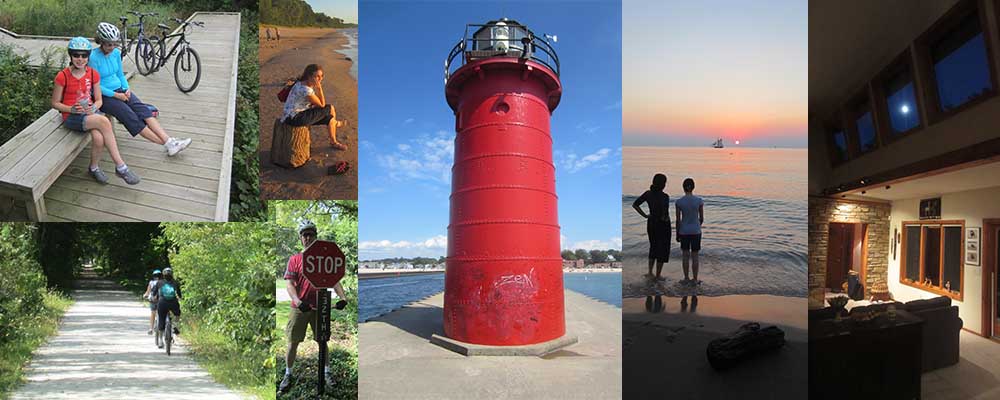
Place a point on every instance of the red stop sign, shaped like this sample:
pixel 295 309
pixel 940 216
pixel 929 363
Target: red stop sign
pixel 323 264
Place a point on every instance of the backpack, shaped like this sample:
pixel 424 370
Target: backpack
pixel 167 291
pixel 283 94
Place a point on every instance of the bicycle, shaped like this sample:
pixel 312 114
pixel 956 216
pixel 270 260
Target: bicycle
pixel 187 60
pixel 143 45
pixel 168 333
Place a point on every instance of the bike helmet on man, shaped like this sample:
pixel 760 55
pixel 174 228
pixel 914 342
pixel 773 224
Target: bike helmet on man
pixel 78 44
pixel 306 225
pixel 167 272
pixel 107 32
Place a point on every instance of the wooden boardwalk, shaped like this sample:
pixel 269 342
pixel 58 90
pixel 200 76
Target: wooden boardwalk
pixel 191 186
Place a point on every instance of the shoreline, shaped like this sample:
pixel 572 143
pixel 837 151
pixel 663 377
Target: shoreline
pixel 284 59
pixel 383 273
pixel 666 337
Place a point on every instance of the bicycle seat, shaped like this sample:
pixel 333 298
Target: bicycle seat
pixel 153 14
pixel 164 27
pixel 123 19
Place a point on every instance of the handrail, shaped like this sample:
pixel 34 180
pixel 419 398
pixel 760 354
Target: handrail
pixel 528 47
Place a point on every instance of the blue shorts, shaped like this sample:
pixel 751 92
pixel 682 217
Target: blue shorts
pixel 75 122
pixel 690 242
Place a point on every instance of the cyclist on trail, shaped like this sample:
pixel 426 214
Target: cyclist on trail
pixel 119 100
pixel 168 292
pixel 303 312
pixel 152 299
pixel 74 95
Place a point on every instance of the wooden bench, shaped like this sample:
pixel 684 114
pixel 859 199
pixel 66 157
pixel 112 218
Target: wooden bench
pixel 34 158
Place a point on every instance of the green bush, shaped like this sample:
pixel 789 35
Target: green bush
pixel 25 91
pixel 228 288
pixel 244 191
pixel 60 18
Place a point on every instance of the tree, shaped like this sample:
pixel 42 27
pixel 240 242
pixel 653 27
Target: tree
pixel 582 254
pixel 598 256
pixel 568 255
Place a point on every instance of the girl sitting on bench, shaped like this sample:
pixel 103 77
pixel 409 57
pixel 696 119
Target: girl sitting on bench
pixel 73 96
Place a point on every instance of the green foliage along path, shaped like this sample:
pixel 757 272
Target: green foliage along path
pixel 297 13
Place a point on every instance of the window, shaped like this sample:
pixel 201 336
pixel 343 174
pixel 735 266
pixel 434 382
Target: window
pixel 960 64
pixel 839 146
pixel 866 132
pixel 932 257
pixel 901 102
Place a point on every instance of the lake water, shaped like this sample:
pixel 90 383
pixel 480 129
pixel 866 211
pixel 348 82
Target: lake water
pixel 351 50
pixel 378 296
pixel 754 234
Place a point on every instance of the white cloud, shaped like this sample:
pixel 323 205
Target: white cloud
pixel 407 121
pixel 587 127
pixel 614 243
pixel 573 163
pixel 435 246
pixel 427 157
pixel 614 106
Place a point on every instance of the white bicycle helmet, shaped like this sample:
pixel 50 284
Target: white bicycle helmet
pixel 306 225
pixel 108 32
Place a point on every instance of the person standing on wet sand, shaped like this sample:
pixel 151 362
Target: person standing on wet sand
pixel 657 223
pixel 690 217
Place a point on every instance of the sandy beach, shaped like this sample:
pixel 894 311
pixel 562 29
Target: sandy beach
pixel 280 60
pixel 664 342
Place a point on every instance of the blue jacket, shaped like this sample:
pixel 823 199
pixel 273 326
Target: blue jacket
pixel 110 68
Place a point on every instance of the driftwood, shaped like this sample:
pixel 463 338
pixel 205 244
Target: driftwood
pixel 289 145
pixel 746 342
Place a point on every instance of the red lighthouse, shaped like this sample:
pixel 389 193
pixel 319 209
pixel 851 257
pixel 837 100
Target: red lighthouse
pixel 504 283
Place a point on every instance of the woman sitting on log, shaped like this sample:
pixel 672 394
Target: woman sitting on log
pixel 306 105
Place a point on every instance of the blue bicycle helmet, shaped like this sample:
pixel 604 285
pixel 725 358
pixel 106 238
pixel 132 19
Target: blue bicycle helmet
pixel 79 43
pixel 157 272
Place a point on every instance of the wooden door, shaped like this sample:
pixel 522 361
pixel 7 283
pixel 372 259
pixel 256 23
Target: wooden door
pixel 838 255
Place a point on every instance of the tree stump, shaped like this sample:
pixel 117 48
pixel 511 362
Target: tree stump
pixel 289 145
pixel 748 341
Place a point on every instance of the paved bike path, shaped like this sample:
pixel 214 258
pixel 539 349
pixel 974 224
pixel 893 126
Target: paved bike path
pixel 102 351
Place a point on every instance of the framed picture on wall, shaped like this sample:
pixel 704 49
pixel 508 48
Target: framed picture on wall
pixel 930 208
pixel 972 243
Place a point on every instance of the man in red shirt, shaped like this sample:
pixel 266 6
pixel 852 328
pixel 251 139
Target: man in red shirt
pixel 303 296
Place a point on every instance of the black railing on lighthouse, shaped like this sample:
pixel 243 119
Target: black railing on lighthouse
pixel 504 38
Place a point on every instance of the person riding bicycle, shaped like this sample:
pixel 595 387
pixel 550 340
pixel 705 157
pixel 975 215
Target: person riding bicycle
pixel 151 298
pixel 168 292
pixel 303 312
pixel 119 100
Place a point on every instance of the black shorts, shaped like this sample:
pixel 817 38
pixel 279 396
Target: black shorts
pixel 690 242
pixel 312 116
pixel 161 311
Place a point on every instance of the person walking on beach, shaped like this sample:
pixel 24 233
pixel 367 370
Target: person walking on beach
pixel 306 105
pixel 268 34
pixel 303 296
pixel 657 223
pixel 690 216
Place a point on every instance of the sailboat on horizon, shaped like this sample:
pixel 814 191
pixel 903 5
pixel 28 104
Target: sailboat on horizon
pixel 717 144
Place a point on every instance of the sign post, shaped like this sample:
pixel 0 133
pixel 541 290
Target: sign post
pixel 324 265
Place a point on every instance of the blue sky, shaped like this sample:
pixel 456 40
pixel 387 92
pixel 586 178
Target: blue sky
pixel 407 129
pixel 343 9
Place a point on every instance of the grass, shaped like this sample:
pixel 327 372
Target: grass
pixel 343 355
pixel 14 355
pixel 56 18
pixel 215 352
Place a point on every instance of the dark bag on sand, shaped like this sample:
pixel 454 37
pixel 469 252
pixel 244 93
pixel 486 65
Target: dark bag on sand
pixel 746 342
pixel 289 145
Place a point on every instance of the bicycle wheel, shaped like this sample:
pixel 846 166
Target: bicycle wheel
pixel 144 56
pixel 187 70
pixel 168 332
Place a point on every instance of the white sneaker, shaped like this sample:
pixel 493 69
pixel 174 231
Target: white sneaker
pixel 175 146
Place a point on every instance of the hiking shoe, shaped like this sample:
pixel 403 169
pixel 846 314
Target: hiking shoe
pixel 129 177
pixel 175 146
pixel 99 176
pixel 286 384
pixel 177 331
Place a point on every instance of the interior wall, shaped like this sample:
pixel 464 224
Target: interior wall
pixel 972 206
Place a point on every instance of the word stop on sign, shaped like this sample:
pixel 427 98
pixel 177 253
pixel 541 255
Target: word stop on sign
pixel 324 264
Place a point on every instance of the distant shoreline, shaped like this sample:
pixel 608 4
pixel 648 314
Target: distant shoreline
pixel 385 273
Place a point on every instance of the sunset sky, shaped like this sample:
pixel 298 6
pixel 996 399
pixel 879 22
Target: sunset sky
pixel 696 71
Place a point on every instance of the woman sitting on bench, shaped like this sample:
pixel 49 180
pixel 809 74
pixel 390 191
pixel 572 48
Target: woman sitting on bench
pixel 119 100
pixel 74 96
pixel 306 105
